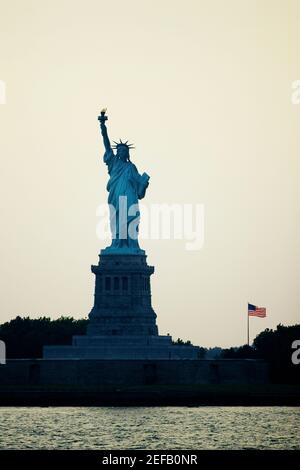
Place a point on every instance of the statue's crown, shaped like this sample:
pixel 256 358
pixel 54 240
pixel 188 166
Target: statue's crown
pixel 124 144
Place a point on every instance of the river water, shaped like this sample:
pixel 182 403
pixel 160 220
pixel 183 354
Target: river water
pixel 150 428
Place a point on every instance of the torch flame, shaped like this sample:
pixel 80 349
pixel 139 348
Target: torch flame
pixel 103 111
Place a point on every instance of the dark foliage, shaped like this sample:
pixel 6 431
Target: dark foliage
pixel 181 342
pixel 213 353
pixel 275 346
pixel 25 337
pixel 243 352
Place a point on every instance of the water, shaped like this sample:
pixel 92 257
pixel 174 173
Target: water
pixel 150 428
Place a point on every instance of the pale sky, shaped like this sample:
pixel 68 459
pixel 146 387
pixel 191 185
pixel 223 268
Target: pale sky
pixel 203 89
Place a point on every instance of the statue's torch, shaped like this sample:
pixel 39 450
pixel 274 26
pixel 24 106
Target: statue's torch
pixel 102 118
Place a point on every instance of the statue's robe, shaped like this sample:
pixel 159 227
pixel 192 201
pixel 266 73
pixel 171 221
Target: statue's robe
pixel 124 180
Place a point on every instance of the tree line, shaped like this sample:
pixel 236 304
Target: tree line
pixel 25 337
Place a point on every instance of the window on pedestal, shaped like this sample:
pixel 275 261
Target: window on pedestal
pixel 116 283
pixel 144 284
pixel 99 284
pixel 107 283
pixel 125 283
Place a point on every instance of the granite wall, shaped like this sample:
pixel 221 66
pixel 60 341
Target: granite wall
pixel 78 373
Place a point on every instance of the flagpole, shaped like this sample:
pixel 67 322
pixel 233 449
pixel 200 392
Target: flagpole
pixel 248 342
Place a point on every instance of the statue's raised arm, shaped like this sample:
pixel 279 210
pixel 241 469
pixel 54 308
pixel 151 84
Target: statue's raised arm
pixel 102 118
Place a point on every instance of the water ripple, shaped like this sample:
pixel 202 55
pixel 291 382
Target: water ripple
pixel 150 428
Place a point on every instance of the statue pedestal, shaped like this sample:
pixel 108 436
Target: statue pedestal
pixel 122 321
pixel 122 303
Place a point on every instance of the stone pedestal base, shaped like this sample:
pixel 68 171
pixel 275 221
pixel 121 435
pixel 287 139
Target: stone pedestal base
pixel 122 304
pixel 121 347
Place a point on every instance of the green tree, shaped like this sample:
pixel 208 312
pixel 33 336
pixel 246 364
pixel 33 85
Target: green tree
pixel 275 346
pixel 243 352
pixel 25 337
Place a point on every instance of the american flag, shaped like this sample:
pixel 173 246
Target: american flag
pixel 254 311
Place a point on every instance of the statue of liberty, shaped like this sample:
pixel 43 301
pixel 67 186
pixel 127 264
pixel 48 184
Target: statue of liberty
pixel 125 187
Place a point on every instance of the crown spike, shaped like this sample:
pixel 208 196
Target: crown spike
pixel 126 144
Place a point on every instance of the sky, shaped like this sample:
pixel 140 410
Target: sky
pixel 203 89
